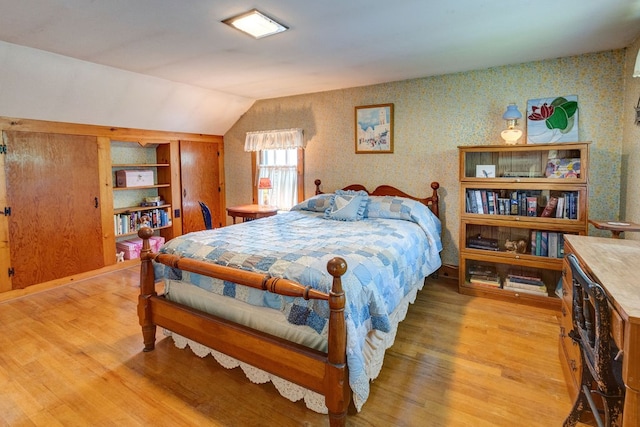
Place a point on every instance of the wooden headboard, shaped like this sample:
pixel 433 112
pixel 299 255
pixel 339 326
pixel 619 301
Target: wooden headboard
pixel 387 190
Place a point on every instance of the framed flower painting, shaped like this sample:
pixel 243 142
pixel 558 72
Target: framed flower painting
pixel 552 119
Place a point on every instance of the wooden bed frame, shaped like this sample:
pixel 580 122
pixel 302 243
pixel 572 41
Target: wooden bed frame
pixel 324 373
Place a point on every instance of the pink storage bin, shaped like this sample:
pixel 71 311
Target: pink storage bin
pixel 131 249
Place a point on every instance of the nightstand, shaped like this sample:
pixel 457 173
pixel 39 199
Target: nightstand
pixel 251 212
pixel 615 227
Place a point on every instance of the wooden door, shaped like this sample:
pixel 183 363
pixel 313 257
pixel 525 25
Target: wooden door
pixel 200 176
pixel 53 192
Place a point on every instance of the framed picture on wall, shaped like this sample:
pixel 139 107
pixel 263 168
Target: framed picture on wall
pixel 553 119
pixel 374 129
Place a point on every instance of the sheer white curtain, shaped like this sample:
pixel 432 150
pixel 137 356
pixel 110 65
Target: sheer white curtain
pixel 274 140
pixel 281 166
pixel 277 152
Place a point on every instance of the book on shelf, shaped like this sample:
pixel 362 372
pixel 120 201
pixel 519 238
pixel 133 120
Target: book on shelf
pixel 484 248
pixel 544 243
pixel 542 289
pixel 515 205
pixel 547 243
pixel 491 202
pixel 472 206
pixel 568 205
pixel 129 222
pixel 479 208
pixel 553 245
pixel 558 290
pixel 492 281
pixel 560 207
pixel 479 242
pixel 482 270
pixel 532 206
pixel 549 209
pixel 504 206
pixel 485 203
pixel 526 280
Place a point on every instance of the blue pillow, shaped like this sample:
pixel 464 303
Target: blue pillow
pixel 317 203
pixel 347 205
pixel 390 207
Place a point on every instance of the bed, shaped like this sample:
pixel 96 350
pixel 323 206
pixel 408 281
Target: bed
pixel 308 299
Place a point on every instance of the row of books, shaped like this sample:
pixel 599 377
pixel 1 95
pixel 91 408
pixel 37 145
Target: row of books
pixel 126 223
pixel 547 243
pixel 527 284
pixel 522 203
pixel 487 277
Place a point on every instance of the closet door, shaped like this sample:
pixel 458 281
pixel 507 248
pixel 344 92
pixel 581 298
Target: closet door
pixel 53 191
pixel 200 179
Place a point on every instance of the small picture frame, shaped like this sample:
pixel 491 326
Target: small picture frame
pixel 485 171
pixel 374 129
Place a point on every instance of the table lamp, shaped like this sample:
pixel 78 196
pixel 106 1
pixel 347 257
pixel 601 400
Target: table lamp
pixel 264 184
pixel 511 134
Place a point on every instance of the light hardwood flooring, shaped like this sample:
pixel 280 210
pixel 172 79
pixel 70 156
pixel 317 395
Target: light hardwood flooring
pixel 71 356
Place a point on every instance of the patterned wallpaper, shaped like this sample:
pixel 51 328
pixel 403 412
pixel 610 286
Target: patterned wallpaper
pixel 630 199
pixel 433 116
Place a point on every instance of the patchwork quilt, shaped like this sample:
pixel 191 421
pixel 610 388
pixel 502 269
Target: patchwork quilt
pixel 387 256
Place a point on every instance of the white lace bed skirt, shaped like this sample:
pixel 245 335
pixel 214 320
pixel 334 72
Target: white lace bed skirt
pixel 376 344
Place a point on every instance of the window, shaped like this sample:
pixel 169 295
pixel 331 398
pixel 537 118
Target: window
pixel 285 168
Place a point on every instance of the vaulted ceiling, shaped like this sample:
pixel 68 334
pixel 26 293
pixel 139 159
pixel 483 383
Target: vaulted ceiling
pixel 331 44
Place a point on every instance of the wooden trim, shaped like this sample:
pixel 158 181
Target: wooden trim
pixel 299 172
pixel 254 172
pixel 432 202
pixel 144 136
pixel 104 136
pixel 300 167
pixel 42 287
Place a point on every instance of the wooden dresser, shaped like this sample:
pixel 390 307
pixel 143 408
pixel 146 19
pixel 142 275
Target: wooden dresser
pixel 615 264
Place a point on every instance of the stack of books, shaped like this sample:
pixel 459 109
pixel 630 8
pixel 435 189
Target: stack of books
pixel 525 284
pixel 479 242
pixel 484 276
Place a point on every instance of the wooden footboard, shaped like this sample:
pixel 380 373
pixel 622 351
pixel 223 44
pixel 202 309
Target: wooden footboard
pixel 324 373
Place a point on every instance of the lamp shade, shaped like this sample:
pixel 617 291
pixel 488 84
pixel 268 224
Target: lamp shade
pixel 636 69
pixel 512 113
pixel 264 184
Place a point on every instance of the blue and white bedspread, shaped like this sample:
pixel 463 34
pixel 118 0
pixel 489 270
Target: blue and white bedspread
pixel 386 259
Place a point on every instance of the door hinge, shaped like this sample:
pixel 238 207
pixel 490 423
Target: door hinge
pixel 11 272
pixel 7 211
pixel 3 148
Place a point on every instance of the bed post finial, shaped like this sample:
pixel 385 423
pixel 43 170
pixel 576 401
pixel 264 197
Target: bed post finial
pixel 435 199
pixel 317 182
pixel 147 290
pixel 337 399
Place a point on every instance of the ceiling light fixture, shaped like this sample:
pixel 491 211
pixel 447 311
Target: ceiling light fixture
pixel 256 24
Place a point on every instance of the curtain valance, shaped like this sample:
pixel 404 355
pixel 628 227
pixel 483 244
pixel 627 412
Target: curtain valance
pixel 274 140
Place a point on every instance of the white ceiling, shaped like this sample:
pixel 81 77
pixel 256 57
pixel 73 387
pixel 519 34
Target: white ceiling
pixel 331 44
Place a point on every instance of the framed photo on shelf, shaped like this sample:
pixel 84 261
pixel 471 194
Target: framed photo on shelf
pixel 374 129
pixel 485 171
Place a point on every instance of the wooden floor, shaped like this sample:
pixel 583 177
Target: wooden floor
pixel 71 356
